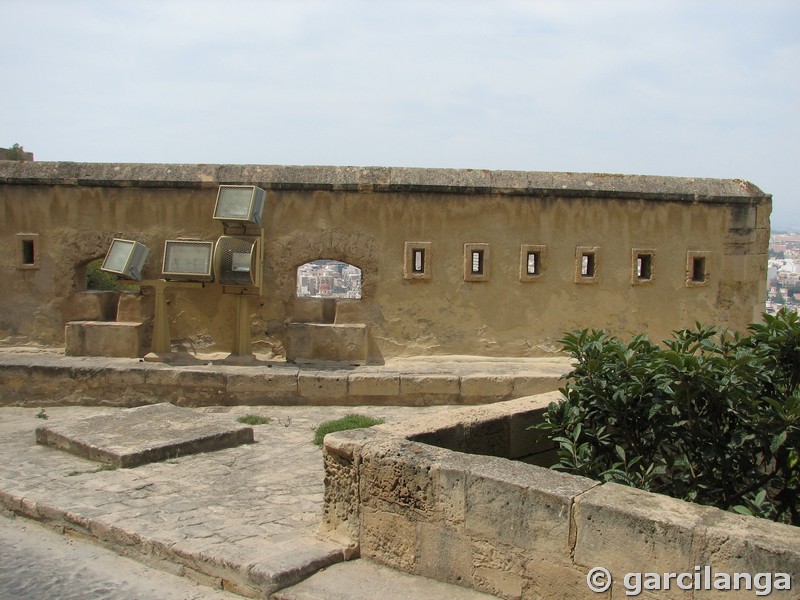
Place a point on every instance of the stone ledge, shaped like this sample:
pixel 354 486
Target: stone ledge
pixel 383 179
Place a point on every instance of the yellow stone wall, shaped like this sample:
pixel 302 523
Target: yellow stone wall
pixel 366 217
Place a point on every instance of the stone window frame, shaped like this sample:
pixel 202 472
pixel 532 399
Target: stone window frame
pixel 23 239
pixel 636 253
pixel 541 264
pixel 409 255
pixel 485 260
pixel 580 252
pixel 691 257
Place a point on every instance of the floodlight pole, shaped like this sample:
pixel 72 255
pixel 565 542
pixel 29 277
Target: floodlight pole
pixel 242 351
pixel 161 345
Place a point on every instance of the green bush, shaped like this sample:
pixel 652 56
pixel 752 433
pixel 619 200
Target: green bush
pixel 708 417
pixel 102 281
pixel 353 421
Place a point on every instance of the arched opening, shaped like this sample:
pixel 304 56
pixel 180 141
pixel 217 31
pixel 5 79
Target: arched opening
pixel 326 278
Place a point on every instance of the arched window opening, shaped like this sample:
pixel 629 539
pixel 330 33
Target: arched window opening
pixel 328 279
pixel 101 281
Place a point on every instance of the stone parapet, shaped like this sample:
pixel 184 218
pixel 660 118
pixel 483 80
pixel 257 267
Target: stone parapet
pixel 424 497
pixel 381 179
pixel 55 380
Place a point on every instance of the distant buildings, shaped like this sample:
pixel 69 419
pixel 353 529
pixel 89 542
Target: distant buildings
pixel 328 279
pixel 783 273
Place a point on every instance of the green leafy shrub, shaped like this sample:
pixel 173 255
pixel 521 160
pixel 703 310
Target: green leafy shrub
pixel 353 421
pixel 710 417
pixel 98 280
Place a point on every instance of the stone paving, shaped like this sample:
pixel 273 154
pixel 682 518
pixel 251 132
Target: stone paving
pixel 240 519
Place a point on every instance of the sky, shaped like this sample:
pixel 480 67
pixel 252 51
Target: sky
pixel 691 88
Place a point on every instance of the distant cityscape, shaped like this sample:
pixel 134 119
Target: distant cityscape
pixel 328 279
pixel 783 272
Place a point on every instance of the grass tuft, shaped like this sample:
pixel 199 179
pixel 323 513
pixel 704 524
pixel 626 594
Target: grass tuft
pixel 353 421
pixel 253 420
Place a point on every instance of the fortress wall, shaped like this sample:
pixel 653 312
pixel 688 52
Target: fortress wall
pixel 366 217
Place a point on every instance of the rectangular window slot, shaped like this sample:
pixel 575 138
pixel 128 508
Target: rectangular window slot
pixel 477 262
pixel 699 269
pixel 587 265
pixel 28 252
pixel 534 263
pixel 644 267
pixel 419 261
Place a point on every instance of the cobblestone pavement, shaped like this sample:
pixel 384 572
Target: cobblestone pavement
pixel 243 515
pixel 39 564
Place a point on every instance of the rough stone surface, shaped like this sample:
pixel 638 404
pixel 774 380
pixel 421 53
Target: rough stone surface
pixel 308 342
pixel 520 531
pixel 119 339
pixel 138 436
pixel 241 518
pixel 46 377
pixel 366 580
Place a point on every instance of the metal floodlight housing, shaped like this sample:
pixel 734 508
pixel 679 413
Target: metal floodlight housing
pixel 125 258
pixel 188 260
pixel 237 261
pixel 240 205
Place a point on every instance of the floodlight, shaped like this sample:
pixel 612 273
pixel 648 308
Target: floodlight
pixel 125 258
pixel 240 205
pixel 188 260
pixel 236 260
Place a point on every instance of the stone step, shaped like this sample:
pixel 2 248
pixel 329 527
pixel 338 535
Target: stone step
pixel 365 580
pixel 138 436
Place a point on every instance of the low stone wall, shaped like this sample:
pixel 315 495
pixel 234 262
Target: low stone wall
pixel 56 380
pixel 519 530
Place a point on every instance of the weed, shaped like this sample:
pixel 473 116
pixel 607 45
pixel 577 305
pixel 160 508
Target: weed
pixel 353 421
pixel 253 420
pixel 41 414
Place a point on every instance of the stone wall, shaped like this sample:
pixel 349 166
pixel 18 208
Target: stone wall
pixel 60 216
pixel 519 530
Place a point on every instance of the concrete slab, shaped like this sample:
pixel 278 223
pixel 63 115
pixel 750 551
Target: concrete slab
pixel 142 435
pixel 365 580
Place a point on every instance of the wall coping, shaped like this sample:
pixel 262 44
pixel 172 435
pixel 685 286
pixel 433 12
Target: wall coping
pixel 384 179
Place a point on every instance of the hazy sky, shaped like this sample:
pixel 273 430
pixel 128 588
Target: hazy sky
pixel 659 87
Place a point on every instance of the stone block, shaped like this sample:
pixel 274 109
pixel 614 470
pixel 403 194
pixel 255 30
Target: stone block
pixel 449 479
pixel 104 338
pixel 530 386
pixel 267 384
pixel 487 436
pixel 522 506
pixel 546 580
pixel 92 306
pixel 314 342
pixel 499 581
pixel 142 435
pixel 373 384
pixel 629 530
pixel 388 538
pixel 323 385
pixel 394 476
pixel 484 385
pixel 731 543
pixel 429 384
pixel 443 554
